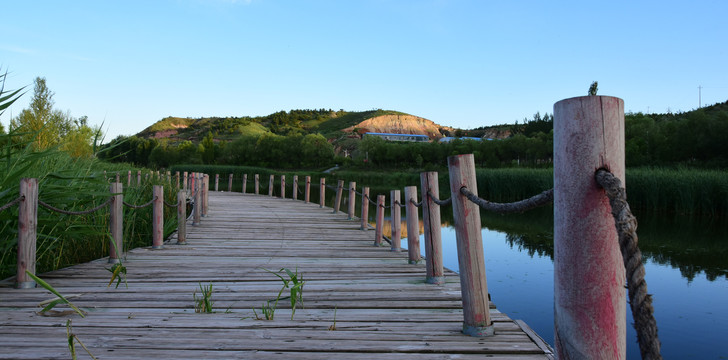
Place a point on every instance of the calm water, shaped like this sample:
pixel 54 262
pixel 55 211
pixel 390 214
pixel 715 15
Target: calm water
pixel 690 297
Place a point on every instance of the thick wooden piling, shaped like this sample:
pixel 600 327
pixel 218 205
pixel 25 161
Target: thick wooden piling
pixel 117 177
pixel 184 181
pixel 27 233
pixel 217 181
pixel 245 183
pixel 337 200
pixel 307 190
pixel 471 260
pixel 364 209
pixel 322 192
pixel 116 222
pixel 157 216
pixel 283 186
pixel 396 214
pixel 295 187
pixel 139 177
pixel 257 183
pixel 271 181
pixel 352 199
pixel 205 193
pixel 413 224
pixel 230 183
pixel 379 227
pixel 181 218
pixel 197 214
pixel 431 223
pixel 589 275
pixel 176 176
pixel 128 179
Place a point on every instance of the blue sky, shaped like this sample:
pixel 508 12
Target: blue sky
pixel 466 63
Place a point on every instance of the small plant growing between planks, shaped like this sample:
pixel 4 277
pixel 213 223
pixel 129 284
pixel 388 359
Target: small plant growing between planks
pixel 203 304
pixel 59 300
pixel 294 283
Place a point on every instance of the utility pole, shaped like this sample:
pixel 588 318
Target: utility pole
pixel 700 96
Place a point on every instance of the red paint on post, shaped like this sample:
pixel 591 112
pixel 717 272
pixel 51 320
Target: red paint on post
pixel 589 275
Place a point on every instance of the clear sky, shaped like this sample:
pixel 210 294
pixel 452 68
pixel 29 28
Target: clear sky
pixel 462 63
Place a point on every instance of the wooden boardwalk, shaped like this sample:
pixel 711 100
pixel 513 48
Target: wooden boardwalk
pixel 383 308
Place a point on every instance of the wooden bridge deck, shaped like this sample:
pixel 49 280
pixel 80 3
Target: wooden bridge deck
pixel 382 306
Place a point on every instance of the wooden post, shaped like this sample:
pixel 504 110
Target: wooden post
pixel 471 260
pixel 396 214
pixel 270 185
pixel 181 218
pixel 257 183
pixel 116 222
pixel 184 181
pixel 169 178
pixel 139 177
pixel 230 183
pixel 157 216
pixel 217 181
pixel 589 275
pixel 128 179
pixel 27 233
pixel 245 183
pixel 413 224
pixel 283 186
pixel 322 191
pixel 337 201
pixel 380 221
pixel 205 193
pixel 193 182
pixel 197 214
pixel 307 190
pixel 176 176
pixel 364 209
pixel 295 187
pixel 117 177
pixel 352 199
pixel 433 233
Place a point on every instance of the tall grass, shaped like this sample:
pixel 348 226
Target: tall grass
pixel 72 184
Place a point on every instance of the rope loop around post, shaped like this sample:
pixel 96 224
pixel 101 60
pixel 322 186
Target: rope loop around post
pixel 541 199
pixel 640 301
pixel 437 201
pixel 67 212
pixel 416 204
pixel 12 203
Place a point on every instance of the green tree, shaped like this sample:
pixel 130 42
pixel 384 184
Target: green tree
pixel 40 123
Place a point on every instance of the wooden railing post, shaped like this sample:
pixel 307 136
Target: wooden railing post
pixel 157 216
pixel 205 193
pixel 117 177
pixel 295 187
pixel 471 260
pixel 337 200
pixel 27 233
pixel 396 214
pixel 176 176
pixel 217 180
pixel 379 221
pixel 169 178
pixel 116 222
pixel 307 190
pixel 589 275
pixel 128 179
pixel 245 183
pixel 181 218
pixel 283 186
pixel 184 181
pixel 193 182
pixel 139 177
pixel 432 225
pixel 364 209
pixel 197 214
pixel 271 181
pixel 413 224
pixel 352 199
pixel 257 183
pixel 322 192
pixel 230 183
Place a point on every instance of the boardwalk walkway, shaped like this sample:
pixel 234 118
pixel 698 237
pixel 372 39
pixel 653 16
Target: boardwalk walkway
pixel 383 308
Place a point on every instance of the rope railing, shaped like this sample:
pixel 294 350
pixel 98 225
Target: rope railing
pixel 370 200
pixel 68 212
pixel 437 201
pixel 170 204
pixel 416 204
pixel 12 203
pixel 139 206
pixel 541 199
pixel 640 301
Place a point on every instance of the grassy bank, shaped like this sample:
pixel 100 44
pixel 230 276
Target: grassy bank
pixel 71 184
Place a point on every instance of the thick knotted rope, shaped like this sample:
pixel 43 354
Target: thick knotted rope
pixel 170 204
pixel 84 212
pixel 139 206
pixel 640 301
pixel 541 199
pixel 10 204
pixel 437 201
pixel 416 204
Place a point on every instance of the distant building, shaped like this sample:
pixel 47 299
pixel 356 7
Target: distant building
pixel 449 138
pixel 400 137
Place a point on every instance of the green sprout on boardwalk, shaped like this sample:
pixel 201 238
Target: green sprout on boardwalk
pixel 59 300
pixel 294 283
pixel 203 304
